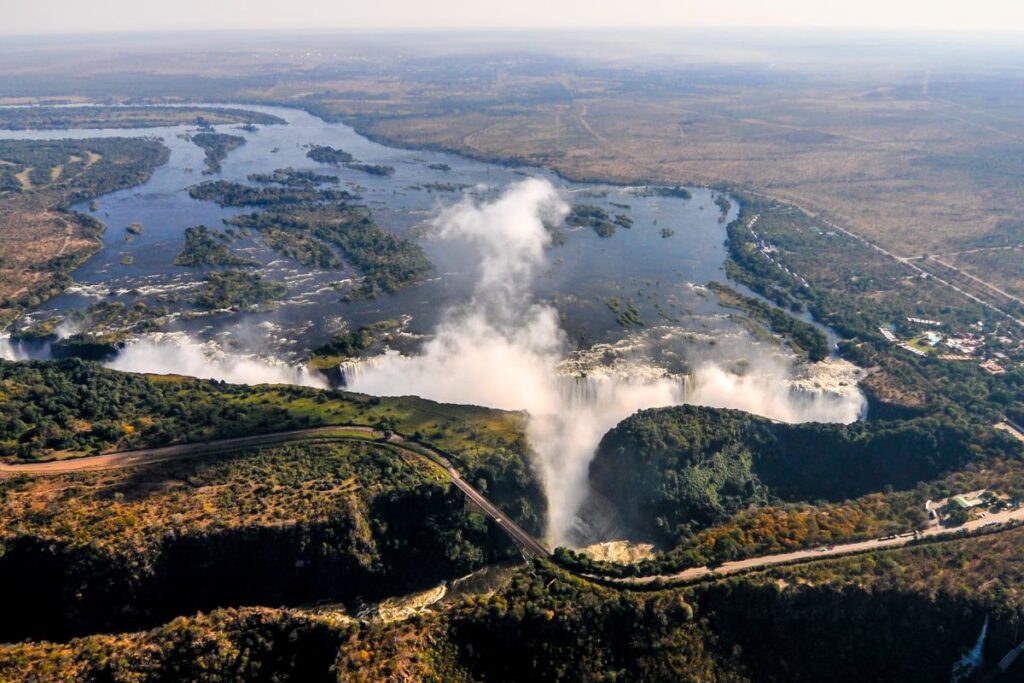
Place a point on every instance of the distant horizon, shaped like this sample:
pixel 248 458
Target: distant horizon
pixel 521 30
pixel 791 36
pixel 117 17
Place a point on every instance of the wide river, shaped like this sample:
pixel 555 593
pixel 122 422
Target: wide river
pixel 661 274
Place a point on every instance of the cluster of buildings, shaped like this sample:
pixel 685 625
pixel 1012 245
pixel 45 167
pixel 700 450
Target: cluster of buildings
pixel 768 249
pixel 976 503
pixel 965 345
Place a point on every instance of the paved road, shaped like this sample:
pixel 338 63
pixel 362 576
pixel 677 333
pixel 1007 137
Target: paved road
pixel 521 537
pixel 145 456
pixel 823 553
pixel 517 533
pixel 148 456
pixel 908 261
pixel 1011 430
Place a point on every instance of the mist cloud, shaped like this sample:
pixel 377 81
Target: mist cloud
pixel 766 390
pixel 177 354
pixel 503 350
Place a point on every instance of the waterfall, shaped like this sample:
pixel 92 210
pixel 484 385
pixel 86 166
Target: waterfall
pixel 579 392
pixel 970 662
pixel 347 374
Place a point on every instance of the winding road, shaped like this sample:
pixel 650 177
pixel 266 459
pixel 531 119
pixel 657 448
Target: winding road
pixel 908 261
pixel 811 554
pixel 148 456
pixel 439 460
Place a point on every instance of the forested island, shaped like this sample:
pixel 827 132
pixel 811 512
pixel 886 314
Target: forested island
pixel 227 193
pixel 594 217
pixel 372 169
pixel 324 154
pixel 217 146
pixel 237 289
pixel 204 247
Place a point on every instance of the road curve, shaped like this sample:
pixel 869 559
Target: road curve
pixel 148 456
pixel 811 554
pixel 435 457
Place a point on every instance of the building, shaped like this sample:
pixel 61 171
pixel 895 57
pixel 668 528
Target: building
pixel 993 367
pixel 969 500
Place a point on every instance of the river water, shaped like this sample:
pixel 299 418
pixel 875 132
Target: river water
pixel 657 273
pixel 688 349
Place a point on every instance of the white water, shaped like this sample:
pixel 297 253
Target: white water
pixel 972 659
pixel 180 355
pixel 504 350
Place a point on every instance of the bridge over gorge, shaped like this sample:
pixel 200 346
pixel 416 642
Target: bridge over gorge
pixel 531 546
pixel 409 447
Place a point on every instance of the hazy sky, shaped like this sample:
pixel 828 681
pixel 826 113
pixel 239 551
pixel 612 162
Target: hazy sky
pixel 87 16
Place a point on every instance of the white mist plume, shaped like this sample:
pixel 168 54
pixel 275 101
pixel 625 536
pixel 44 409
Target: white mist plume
pixel 763 391
pixel 503 350
pixel 8 351
pixel 180 355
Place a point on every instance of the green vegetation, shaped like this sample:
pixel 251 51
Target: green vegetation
pixel 372 169
pixel 88 168
pixel 246 644
pixel 108 324
pixel 42 330
pixel 217 147
pixel 556 234
pixel 228 193
pixel 203 247
pixel 387 262
pixel 336 520
pixel 666 233
pixel 87 346
pixel 272 525
pixel 302 248
pixel 627 315
pixel 289 177
pixel 676 192
pixel 33 118
pixel 445 186
pixel 545 624
pixel 235 289
pixel 439 167
pixel 323 154
pixel 352 344
pixel 72 408
pixel 806 339
pixel 775 626
pixel 45 239
pixel 586 215
pixel 723 203
pixel 856 290
pixel 306 219
pixel 716 485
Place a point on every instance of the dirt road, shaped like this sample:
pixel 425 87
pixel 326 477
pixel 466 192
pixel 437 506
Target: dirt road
pixel 727 568
pixel 521 537
pixel 148 456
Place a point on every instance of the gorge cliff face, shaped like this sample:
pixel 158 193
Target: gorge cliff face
pixel 403 541
pixel 672 470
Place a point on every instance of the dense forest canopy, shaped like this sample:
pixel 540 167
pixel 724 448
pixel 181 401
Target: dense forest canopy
pixel 673 471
